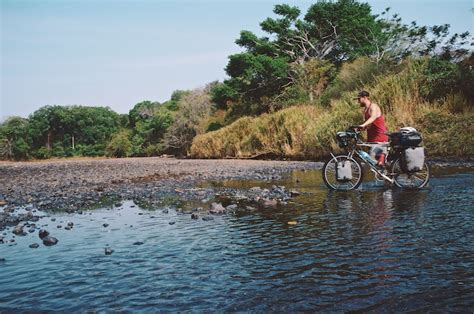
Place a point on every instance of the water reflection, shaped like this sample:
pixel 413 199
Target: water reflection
pixel 375 249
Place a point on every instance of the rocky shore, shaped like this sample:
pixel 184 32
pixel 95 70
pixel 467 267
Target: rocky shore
pixel 75 185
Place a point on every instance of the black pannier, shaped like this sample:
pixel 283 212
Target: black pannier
pixel 406 138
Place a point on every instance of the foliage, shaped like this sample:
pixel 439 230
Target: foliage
pixel 120 145
pixel 70 128
pixel 308 131
pixel 193 110
pixel 14 139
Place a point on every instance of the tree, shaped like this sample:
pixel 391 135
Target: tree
pixel 333 31
pixel 120 145
pixel 14 139
pixel 193 110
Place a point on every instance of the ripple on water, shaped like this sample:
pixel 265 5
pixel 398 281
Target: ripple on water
pixel 376 249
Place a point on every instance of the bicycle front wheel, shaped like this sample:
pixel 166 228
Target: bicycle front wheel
pixel 410 180
pixel 330 177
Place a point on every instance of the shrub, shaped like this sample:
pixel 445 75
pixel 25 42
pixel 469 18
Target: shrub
pixel 120 145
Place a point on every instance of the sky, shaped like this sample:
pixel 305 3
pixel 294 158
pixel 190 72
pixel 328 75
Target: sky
pixel 118 53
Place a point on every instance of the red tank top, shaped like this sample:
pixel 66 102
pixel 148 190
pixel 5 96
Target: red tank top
pixel 376 130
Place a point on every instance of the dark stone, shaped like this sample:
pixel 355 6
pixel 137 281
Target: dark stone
pixel 43 233
pixel 49 240
pixel 2 259
pixel 67 228
pixel 53 219
pixel 19 231
pixel 165 211
pixel 138 243
pixel 194 216
pixel 31 230
pixel 59 226
pixel 108 251
pixel 172 222
pixel 207 218
pixel 70 224
pixel 34 245
pixel 105 225
pixel 118 204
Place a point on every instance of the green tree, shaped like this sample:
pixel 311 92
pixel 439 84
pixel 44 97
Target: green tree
pixel 120 145
pixel 14 139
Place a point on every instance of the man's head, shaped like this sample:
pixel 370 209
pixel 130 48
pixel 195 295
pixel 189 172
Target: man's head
pixel 363 98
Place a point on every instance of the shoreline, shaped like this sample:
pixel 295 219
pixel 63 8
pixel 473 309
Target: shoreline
pixel 72 184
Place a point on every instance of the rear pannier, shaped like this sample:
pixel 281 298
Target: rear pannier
pixel 343 171
pixel 414 158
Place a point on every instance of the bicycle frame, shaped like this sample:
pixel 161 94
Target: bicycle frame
pixel 355 151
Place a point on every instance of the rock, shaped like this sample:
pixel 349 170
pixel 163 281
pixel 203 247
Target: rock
pixel 43 233
pixel 53 219
pixel 294 192
pixel 270 203
pixel 2 259
pixel 3 203
pixel 118 204
pixel 108 251
pixel 194 216
pixel 250 208
pixel 165 211
pixel 105 225
pixel 207 218
pixel 31 230
pixel 67 228
pixel 232 207
pixel 49 240
pixel 34 245
pixel 172 222
pixel 217 208
pixel 255 189
pixel 138 243
pixel 19 231
pixel 59 226
pixel 70 224
pixel 1 240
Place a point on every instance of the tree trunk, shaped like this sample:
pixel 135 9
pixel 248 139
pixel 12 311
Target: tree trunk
pixel 48 141
pixel 72 140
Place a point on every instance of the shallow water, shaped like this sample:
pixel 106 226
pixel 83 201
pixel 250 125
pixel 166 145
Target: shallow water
pixel 375 249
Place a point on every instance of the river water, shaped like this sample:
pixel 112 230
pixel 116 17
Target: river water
pixel 375 249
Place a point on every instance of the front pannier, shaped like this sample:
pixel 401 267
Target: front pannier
pixel 343 171
pixel 414 158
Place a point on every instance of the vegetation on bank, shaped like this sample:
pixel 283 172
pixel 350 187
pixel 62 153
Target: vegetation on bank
pixel 308 131
pixel 287 94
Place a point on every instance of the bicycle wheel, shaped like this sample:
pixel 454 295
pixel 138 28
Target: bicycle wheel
pixel 411 180
pixel 329 174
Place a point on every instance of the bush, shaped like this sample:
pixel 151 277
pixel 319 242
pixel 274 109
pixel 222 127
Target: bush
pixel 440 79
pixel 41 153
pixel 120 145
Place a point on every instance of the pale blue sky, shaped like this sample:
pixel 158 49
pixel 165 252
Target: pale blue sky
pixel 118 53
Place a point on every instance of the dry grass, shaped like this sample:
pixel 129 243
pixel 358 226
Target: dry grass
pixel 307 131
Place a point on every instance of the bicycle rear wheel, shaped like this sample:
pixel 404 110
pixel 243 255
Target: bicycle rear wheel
pixel 410 180
pixel 330 178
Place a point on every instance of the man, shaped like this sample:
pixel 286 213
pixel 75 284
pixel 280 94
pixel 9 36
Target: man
pixel 375 125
